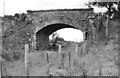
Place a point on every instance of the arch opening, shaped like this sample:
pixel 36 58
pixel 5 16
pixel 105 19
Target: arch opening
pixel 42 36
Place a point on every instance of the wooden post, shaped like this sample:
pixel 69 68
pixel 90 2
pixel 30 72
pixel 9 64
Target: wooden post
pixel 0 45
pixel 69 59
pixel 87 46
pixel 47 57
pixel 63 59
pixel 84 48
pixel 0 69
pixel 26 58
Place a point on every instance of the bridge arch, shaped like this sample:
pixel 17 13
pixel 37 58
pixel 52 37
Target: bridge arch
pixel 42 36
pixel 43 19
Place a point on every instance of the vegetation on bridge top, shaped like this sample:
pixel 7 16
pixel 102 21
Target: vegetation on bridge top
pixel 82 9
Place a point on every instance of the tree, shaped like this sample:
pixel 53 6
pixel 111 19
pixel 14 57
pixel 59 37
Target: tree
pixel 17 15
pixel 55 37
pixel 119 11
pixel 110 9
pixel 55 40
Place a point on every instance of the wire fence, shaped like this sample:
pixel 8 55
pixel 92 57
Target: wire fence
pixel 61 56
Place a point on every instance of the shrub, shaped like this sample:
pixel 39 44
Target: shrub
pixel 7 56
pixel 16 56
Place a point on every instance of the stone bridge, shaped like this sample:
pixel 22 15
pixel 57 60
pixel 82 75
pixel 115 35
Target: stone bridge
pixel 48 21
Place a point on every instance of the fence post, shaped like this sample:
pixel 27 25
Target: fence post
pixel 47 58
pixel 60 48
pixel 34 42
pixel 26 59
pixel 1 59
pixel 84 53
pixel 0 69
pixel 60 55
pixel 69 59
pixel 76 48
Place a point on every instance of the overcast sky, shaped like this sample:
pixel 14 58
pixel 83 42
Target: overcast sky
pixel 70 34
pixel 20 6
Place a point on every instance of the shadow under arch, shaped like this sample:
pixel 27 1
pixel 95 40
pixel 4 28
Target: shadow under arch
pixel 42 36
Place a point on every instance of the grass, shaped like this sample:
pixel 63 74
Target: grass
pixel 100 57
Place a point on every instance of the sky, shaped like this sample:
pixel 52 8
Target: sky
pixel 10 7
pixel 20 6
pixel 70 34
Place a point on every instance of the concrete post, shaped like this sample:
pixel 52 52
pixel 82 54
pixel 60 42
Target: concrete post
pixel 61 57
pixel 60 48
pixel 76 48
pixel 26 58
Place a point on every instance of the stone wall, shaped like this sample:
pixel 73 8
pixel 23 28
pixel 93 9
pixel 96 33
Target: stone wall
pixel 72 17
pixel 22 28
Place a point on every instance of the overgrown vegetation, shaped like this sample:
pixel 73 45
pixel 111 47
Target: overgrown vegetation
pixel 111 9
pixel 101 55
pixel 16 31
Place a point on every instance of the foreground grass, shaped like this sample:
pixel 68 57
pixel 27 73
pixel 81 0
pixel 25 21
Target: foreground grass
pixel 101 60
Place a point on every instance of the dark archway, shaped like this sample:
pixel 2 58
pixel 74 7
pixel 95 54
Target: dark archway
pixel 42 36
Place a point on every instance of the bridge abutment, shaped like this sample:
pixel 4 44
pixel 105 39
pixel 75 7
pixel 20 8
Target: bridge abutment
pixel 42 41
